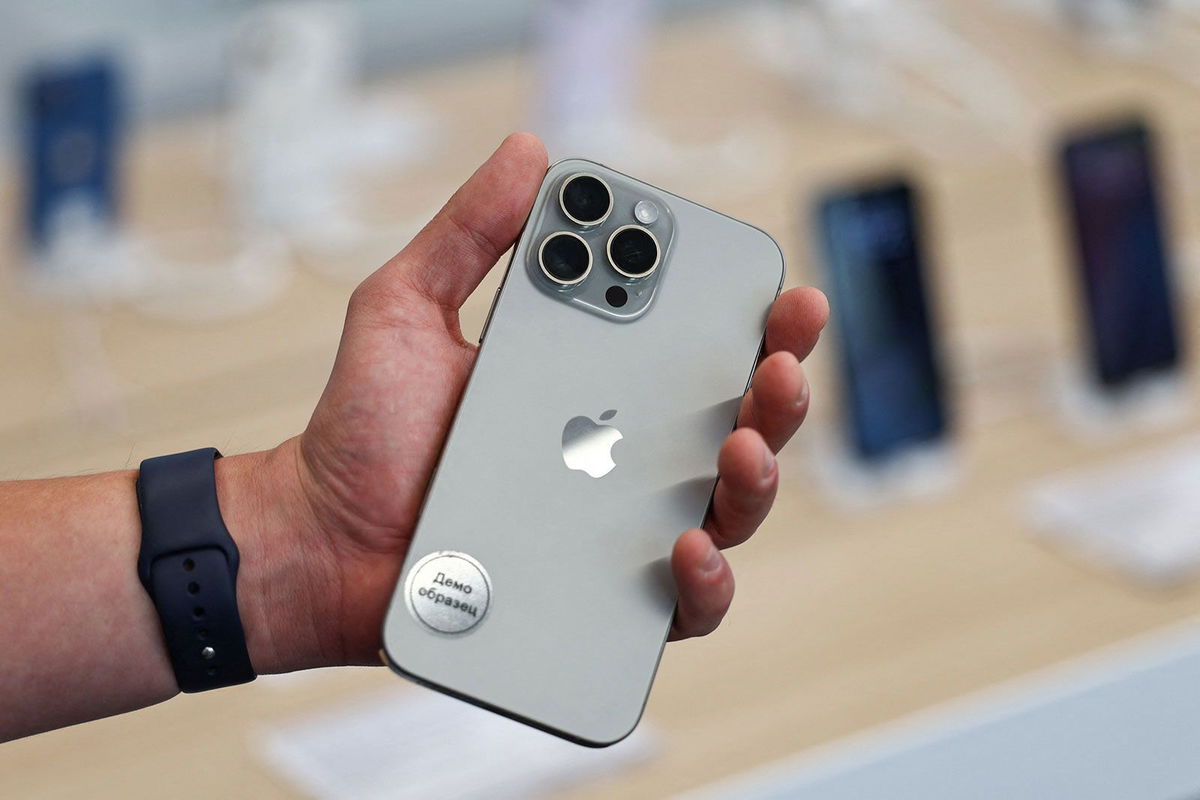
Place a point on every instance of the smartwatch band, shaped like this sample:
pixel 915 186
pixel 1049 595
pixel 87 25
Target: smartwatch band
pixel 188 563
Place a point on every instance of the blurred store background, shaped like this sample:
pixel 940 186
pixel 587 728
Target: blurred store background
pixel 980 578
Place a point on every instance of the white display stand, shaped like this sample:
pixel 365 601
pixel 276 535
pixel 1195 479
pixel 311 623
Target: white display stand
pixel 589 59
pixel 208 275
pixel 860 58
pixel 84 261
pixel 591 66
pixel 301 136
pixel 194 275
pixel 1137 516
pixel 1124 25
pixel 413 744
pixel 911 474
pixel 1094 412
pixel 290 82
pixel 1160 34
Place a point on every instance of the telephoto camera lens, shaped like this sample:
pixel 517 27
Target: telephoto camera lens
pixel 633 251
pixel 585 199
pixel 565 258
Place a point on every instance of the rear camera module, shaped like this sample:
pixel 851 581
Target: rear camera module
pixel 585 199
pixel 633 251
pixel 565 258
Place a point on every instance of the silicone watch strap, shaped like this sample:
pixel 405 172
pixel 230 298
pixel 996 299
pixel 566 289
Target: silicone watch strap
pixel 188 563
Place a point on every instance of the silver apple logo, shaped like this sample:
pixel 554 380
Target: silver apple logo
pixel 587 445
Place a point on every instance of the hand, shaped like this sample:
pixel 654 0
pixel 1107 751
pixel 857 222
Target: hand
pixel 363 464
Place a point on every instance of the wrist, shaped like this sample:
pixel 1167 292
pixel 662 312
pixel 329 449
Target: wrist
pixel 287 586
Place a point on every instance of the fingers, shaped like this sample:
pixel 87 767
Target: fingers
pixel 777 401
pixel 705 584
pixel 771 412
pixel 744 493
pixel 745 490
pixel 796 320
pixel 778 398
pixel 448 258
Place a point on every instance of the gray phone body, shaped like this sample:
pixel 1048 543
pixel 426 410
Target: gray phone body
pixel 573 595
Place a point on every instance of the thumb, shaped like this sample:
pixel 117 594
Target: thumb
pixel 450 256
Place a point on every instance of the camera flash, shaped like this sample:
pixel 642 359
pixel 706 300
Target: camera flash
pixel 645 212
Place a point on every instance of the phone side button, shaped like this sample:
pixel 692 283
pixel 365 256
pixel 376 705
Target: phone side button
pixel 488 320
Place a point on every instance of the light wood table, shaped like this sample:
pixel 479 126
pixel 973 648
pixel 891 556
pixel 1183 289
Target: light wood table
pixel 844 619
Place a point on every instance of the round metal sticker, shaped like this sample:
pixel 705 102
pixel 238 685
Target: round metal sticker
pixel 448 591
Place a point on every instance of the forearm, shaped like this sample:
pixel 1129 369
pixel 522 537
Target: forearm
pixel 81 636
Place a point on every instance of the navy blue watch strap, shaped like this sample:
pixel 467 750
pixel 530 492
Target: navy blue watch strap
pixel 188 563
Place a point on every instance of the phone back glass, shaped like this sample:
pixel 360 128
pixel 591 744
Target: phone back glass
pixel 581 595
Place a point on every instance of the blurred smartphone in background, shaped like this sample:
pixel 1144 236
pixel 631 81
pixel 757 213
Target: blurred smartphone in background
pixel 892 387
pixel 1110 182
pixel 71 118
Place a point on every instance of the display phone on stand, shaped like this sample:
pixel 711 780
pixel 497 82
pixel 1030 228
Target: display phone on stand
pixel 893 393
pixel 1110 185
pixel 611 369
pixel 72 132
pixel 1109 14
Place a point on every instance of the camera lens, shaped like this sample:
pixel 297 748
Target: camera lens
pixel 565 258
pixel 633 251
pixel 585 199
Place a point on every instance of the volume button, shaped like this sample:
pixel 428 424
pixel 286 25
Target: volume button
pixel 488 321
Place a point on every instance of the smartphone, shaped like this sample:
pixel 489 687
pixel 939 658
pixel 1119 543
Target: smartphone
pixel 893 393
pixel 72 127
pixel 611 369
pixel 1110 181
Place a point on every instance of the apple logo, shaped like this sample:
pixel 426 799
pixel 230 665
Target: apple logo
pixel 587 445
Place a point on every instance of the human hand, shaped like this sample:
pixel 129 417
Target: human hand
pixel 361 468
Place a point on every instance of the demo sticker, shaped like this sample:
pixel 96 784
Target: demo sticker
pixel 448 591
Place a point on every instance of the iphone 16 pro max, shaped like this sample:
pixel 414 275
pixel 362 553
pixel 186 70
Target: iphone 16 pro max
pixel 611 368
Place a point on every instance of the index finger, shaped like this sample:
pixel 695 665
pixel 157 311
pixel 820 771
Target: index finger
pixel 796 320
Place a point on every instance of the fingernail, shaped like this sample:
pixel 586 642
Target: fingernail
pixel 712 562
pixel 802 398
pixel 768 464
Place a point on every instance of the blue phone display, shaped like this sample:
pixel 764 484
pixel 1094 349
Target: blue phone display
pixel 1121 255
pixel 71 118
pixel 892 380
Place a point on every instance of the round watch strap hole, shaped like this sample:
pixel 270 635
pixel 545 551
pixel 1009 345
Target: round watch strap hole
pixel 198 612
pixel 193 588
pixel 188 565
